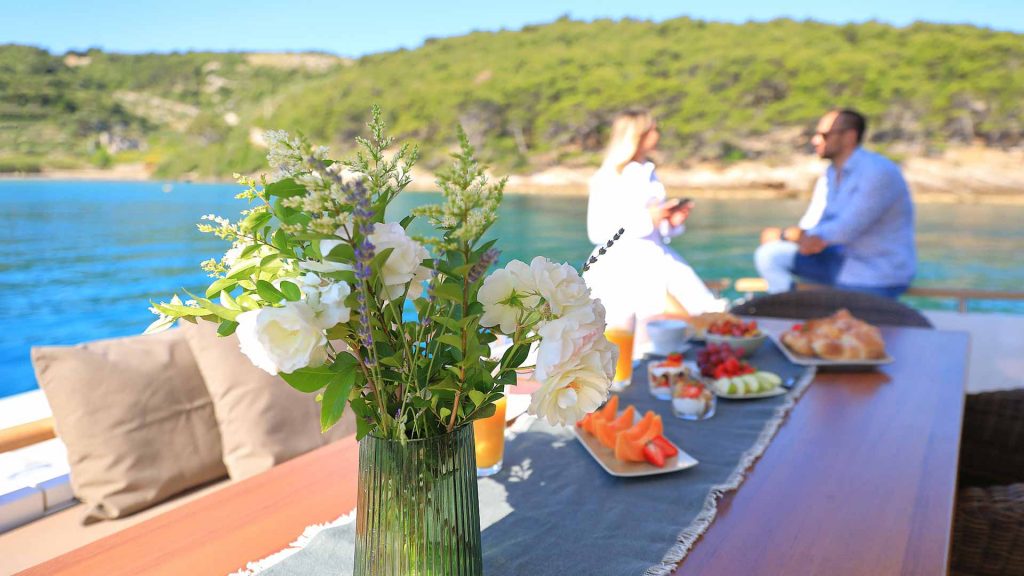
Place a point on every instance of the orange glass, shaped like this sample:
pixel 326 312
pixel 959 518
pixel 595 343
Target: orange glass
pixel 490 440
pixel 624 367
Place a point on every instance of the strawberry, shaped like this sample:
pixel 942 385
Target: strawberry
pixel 732 365
pixel 653 455
pixel 665 446
pixel 689 392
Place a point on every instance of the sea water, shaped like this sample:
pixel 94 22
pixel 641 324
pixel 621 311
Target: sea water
pixel 82 260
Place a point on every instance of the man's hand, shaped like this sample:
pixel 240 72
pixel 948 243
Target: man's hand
pixel 790 234
pixel 810 245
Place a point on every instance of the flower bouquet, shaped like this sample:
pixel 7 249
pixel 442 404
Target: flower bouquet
pixel 324 291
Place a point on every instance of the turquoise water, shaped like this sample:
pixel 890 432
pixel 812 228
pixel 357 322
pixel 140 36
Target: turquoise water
pixel 82 260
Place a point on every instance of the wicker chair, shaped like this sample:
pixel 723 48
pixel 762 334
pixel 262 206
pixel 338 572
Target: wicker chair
pixel 988 531
pixel 805 304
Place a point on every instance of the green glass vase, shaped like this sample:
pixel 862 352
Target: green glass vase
pixel 418 510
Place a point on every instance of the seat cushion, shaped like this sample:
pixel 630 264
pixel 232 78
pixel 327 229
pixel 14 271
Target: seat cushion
pixel 263 421
pixel 62 532
pixel 136 418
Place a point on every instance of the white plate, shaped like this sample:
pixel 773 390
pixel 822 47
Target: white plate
pixel 802 360
pixel 710 383
pixel 612 465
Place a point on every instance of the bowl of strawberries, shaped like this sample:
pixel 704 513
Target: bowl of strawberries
pixel 742 336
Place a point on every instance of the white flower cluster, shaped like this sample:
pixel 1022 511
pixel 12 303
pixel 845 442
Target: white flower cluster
pixel 293 336
pixel 575 363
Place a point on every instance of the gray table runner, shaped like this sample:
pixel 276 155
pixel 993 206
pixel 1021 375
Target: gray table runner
pixel 553 509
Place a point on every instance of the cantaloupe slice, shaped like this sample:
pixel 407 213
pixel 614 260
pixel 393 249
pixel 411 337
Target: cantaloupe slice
pixel 605 413
pixel 607 431
pixel 629 444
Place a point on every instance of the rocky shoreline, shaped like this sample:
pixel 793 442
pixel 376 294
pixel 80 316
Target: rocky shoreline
pixel 968 175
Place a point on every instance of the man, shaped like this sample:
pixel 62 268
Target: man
pixel 858 232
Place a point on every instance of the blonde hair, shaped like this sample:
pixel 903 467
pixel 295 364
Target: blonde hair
pixel 628 129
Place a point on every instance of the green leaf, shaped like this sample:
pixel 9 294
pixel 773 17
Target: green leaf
pixel 335 397
pixel 449 291
pixel 284 188
pixel 444 412
pixel 476 396
pixel 451 340
pixel 221 285
pixel 268 259
pixel 309 380
pixel 229 302
pixel 291 291
pixel 255 220
pixel 267 291
pixel 407 220
pixel 506 378
pixel 448 322
pixel 515 356
pixel 485 412
pixel 341 253
pixel 160 324
pixel 222 311
pixel 227 327
pixel 280 240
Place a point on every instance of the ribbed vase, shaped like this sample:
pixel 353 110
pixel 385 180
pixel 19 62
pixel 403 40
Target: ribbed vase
pixel 418 510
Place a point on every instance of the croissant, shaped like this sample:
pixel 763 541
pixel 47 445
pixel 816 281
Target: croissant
pixel 837 337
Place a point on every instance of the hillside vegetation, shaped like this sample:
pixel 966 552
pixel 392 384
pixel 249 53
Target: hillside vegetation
pixel 531 98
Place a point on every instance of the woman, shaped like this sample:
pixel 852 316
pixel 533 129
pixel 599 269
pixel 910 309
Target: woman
pixel 640 276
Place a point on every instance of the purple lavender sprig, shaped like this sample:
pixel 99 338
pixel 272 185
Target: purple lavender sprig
pixel 486 259
pixel 362 216
pixel 602 250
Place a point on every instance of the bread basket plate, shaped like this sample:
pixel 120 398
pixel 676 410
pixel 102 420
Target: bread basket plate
pixel 612 465
pixel 802 360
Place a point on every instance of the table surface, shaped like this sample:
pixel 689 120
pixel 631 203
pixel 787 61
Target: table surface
pixel 860 479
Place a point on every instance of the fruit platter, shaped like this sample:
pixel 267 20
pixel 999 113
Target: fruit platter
pixel 732 378
pixel 628 444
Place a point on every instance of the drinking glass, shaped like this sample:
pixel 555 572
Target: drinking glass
pixel 490 440
pixel 621 335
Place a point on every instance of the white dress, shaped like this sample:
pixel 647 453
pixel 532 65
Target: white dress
pixel 633 277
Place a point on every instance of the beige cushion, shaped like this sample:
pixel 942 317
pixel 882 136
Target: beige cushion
pixel 263 421
pixel 136 418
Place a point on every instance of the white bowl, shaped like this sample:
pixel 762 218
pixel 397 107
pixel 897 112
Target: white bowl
pixel 668 335
pixel 746 345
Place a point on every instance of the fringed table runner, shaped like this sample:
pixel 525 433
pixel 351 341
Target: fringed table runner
pixel 554 510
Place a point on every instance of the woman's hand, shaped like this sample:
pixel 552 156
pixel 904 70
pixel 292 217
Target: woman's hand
pixel 677 216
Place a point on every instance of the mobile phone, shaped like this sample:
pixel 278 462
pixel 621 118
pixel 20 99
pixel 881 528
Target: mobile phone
pixel 682 203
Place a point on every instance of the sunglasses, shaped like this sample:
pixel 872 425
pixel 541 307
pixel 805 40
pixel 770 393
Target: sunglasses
pixel 825 135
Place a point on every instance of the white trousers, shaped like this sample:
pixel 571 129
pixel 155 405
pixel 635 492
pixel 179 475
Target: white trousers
pixel 774 262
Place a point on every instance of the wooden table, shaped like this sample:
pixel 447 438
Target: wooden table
pixel 860 479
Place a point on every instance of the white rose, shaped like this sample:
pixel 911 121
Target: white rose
pixel 560 285
pixel 563 339
pixel 504 294
pixel 281 339
pixel 326 299
pixel 576 388
pixel 404 263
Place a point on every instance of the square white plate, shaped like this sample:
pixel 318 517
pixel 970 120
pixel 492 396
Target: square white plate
pixel 612 465
pixel 802 360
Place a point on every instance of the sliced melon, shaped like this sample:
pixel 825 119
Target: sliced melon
pixel 752 383
pixel 607 432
